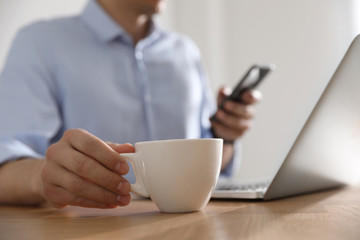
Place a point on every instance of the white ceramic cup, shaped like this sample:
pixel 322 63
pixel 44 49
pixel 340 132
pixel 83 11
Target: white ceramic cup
pixel 178 175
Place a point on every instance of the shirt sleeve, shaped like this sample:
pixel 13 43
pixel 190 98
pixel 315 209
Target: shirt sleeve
pixel 29 111
pixel 208 105
pixel 208 109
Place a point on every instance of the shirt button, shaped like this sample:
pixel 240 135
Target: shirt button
pixel 138 55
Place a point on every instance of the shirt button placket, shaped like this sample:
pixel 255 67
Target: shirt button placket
pixel 145 92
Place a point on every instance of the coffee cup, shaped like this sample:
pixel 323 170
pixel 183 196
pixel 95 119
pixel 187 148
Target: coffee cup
pixel 179 175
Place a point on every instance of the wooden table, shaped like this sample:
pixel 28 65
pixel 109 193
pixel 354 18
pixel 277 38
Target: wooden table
pixel 326 215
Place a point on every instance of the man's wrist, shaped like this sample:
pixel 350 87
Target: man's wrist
pixel 226 141
pixel 36 187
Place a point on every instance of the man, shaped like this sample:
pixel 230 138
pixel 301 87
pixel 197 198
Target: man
pixel 73 88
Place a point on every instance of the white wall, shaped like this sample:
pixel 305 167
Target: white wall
pixel 305 39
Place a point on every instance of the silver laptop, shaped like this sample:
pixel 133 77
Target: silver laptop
pixel 326 153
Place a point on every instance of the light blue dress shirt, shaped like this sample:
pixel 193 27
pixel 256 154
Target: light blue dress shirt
pixel 85 72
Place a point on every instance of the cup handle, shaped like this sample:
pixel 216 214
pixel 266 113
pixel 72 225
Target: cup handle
pixel 138 187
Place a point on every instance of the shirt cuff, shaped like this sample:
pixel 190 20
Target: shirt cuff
pixel 14 150
pixel 228 172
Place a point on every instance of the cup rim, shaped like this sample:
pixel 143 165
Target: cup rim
pixel 181 140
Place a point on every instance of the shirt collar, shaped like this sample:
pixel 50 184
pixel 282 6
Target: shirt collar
pixel 105 27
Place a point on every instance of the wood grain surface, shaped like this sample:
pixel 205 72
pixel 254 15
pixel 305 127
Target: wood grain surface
pixel 333 214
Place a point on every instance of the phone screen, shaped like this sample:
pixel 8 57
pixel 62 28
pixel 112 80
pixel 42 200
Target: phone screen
pixel 252 78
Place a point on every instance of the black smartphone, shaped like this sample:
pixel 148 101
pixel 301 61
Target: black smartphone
pixel 251 80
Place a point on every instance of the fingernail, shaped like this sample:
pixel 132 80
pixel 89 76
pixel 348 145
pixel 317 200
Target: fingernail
pixel 123 200
pixel 119 187
pixel 121 167
pixel 123 187
pixel 118 166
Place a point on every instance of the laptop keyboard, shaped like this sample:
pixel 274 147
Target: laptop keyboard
pixel 255 187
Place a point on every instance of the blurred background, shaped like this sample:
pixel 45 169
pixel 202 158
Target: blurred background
pixel 305 39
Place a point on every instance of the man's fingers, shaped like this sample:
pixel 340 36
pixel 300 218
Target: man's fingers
pixel 122 148
pixel 82 170
pixel 92 171
pixel 233 122
pixel 92 146
pixel 59 198
pixel 223 93
pixel 226 132
pixel 234 118
pixel 251 96
pixel 82 189
pixel 239 110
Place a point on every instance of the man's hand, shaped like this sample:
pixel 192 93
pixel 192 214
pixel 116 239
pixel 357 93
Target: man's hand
pixel 236 117
pixel 84 171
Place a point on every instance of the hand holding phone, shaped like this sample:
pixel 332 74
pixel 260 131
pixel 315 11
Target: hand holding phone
pixel 251 80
